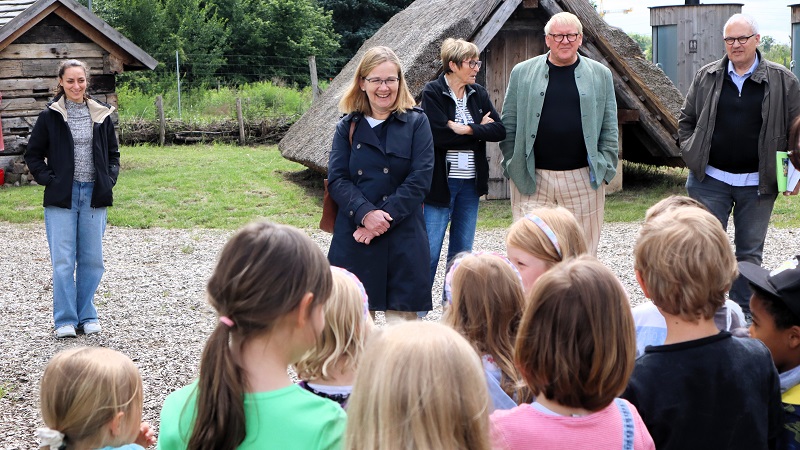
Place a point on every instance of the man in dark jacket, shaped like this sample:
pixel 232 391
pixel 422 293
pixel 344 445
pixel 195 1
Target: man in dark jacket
pixel 736 115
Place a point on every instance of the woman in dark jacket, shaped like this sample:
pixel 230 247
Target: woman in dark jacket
pixel 379 172
pixel 462 120
pixel 73 153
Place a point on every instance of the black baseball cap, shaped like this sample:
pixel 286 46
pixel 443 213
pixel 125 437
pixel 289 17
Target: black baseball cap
pixel 782 282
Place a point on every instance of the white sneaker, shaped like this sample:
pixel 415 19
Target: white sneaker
pixel 91 328
pixel 65 331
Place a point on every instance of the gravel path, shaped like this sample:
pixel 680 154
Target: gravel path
pixel 152 306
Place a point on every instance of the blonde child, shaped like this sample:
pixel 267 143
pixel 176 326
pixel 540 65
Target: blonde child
pixel 485 303
pixel 718 390
pixel 542 238
pixel 419 386
pixel 575 349
pixel 269 289
pixel 651 329
pixel 329 369
pixel 91 398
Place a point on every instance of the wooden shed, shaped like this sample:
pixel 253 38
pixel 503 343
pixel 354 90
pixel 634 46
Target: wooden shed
pixel 687 37
pixel 35 35
pixel 506 32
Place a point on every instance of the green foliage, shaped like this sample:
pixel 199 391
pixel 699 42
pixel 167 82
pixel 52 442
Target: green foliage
pixel 773 51
pixel 645 43
pixel 357 20
pixel 202 105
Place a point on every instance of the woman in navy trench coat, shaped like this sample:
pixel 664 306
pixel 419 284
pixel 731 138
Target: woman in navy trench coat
pixel 380 179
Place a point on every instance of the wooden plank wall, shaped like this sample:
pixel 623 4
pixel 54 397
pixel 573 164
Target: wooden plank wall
pixel 702 23
pixel 521 38
pixel 28 69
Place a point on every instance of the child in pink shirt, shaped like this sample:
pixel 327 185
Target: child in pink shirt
pixel 575 349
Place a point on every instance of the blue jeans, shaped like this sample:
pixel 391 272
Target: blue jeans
pixel 751 213
pixel 462 214
pixel 75 237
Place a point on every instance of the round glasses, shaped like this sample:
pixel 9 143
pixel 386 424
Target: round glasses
pixel 571 37
pixel 473 63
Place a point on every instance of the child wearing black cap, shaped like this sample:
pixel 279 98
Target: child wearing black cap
pixel 775 305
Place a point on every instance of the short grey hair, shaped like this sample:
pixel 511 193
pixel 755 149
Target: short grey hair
pixel 739 17
pixel 564 19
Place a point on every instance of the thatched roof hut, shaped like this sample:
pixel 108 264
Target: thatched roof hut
pixel 506 33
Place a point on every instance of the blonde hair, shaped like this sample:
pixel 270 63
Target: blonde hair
pixel 487 309
pixel 356 100
pixel 670 203
pixel 457 51
pixel 686 262
pixel 67 64
pixel 530 238
pixel 421 386
pixel 577 341
pixel 347 325
pixel 84 388
pixel 563 19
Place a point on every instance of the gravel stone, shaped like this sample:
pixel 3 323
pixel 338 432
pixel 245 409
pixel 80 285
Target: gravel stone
pixel 152 306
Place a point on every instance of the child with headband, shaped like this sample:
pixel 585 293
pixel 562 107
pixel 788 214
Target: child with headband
pixel 329 369
pixel 91 397
pixel 269 289
pixel 484 304
pixel 542 238
pixel 575 349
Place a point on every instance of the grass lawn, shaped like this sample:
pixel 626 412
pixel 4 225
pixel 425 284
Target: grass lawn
pixel 224 186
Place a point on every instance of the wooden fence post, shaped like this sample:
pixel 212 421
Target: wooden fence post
pixel 162 125
pixel 312 68
pixel 240 119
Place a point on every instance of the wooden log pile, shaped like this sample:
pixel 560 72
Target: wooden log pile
pixel 140 131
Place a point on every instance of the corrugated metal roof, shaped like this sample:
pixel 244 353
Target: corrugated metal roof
pixel 12 8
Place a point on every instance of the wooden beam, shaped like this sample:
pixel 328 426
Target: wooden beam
pixel 96 36
pixel 50 51
pixel 530 4
pixel 627 115
pixel 493 25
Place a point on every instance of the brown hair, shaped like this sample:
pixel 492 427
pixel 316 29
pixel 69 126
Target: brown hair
pixel 262 274
pixel 355 99
pixel 685 260
pixel 486 310
pixel 84 388
pixel 457 51
pixel 794 138
pixel 67 64
pixel 347 326
pixel 420 385
pixel 528 237
pixel 577 343
pixel 670 203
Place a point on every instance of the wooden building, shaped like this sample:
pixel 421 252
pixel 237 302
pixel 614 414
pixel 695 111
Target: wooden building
pixel 795 39
pixel 687 37
pixel 35 36
pixel 506 32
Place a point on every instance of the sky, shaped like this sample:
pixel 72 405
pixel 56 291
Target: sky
pixel 773 16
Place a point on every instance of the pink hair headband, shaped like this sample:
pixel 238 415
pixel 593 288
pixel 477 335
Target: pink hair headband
pixel 359 284
pixel 547 231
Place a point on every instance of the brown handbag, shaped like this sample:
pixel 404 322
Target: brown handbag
pixel 329 206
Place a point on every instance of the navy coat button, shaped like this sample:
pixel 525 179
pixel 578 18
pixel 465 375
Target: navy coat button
pixel 360 172
pixel 385 197
pixel 385 170
pixel 351 213
pixel 358 145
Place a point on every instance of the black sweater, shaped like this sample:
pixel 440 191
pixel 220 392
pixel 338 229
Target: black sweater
pixel 440 107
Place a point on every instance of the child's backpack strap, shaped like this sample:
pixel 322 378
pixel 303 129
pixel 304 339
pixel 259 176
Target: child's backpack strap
pixel 627 424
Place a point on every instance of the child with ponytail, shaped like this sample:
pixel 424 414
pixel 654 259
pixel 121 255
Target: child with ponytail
pixel 269 289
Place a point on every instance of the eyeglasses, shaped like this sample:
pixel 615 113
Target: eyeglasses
pixel 473 63
pixel 571 37
pixel 375 81
pixel 742 39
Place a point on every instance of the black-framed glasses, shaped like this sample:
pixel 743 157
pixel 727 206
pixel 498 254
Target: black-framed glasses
pixel 474 63
pixel 742 39
pixel 571 37
pixel 375 81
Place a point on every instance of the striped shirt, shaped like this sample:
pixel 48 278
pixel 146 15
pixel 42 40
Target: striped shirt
pixel 462 162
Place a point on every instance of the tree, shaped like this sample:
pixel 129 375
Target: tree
pixel 773 51
pixel 357 20
pixel 645 43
